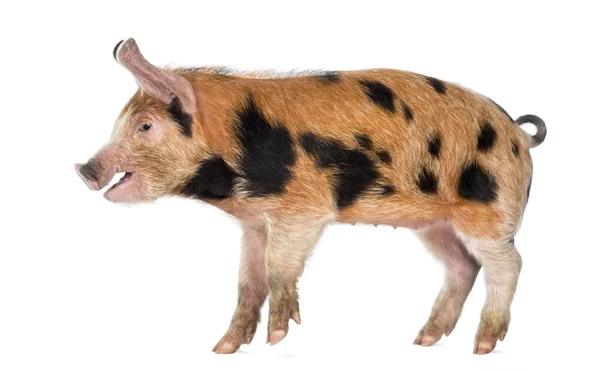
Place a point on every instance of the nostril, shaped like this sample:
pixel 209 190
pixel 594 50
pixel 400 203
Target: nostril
pixel 89 174
pixel 90 170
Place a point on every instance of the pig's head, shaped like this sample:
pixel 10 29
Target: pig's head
pixel 152 138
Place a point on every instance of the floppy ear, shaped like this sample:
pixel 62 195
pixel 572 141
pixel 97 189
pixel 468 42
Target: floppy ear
pixel 160 84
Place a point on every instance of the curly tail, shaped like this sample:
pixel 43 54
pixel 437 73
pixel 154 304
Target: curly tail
pixel 540 135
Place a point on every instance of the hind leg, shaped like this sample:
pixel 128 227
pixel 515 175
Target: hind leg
pixel 461 271
pixel 502 264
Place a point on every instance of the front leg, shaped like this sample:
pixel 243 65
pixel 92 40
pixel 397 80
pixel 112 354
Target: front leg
pixel 289 244
pixel 252 291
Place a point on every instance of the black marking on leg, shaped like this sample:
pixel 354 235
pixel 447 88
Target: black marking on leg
pixel 434 145
pixel 355 173
pixel 486 138
pixel 427 181
pixel 214 180
pixel 329 76
pixel 117 48
pixel 384 156
pixel 501 109
pixel 475 184
pixel 268 152
pixel 364 141
pixel 379 94
pixel 438 85
pixel 408 114
pixel 182 118
pixel 387 190
pixel 515 149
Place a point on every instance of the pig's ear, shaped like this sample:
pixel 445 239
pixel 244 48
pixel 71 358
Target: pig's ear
pixel 159 83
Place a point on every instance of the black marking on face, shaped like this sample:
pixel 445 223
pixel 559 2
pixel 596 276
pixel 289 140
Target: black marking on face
pixel 438 85
pixel 268 152
pixel 214 180
pixel 427 181
pixel 475 184
pixel 502 109
pixel 117 48
pixel 182 118
pixel 486 138
pixel 387 190
pixel 384 156
pixel 515 149
pixel 408 115
pixel 434 145
pixel 379 94
pixel 355 173
pixel 329 76
pixel 364 141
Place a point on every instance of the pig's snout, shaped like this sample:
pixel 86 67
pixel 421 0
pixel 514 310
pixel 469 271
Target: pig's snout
pixel 89 173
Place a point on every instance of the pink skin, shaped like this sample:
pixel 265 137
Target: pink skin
pixel 162 85
pixel 101 169
pixel 253 289
pixel 92 184
pixel 461 272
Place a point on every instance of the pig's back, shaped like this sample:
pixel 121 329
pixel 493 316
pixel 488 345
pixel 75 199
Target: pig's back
pixel 394 142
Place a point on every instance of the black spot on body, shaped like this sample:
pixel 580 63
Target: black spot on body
pixel 384 156
pixel 438 85
pixel 379 94
pixel 355 171
pixel 408 115
pixel 364 141
pixel 183 119
pixel 427 181
pixel 268 153
pixel 387 190
pixel 117 48
pixel 515 149
pixel 475 184
pixel 486 138
pixel 434 145
pixel 328 76
pixel 213 180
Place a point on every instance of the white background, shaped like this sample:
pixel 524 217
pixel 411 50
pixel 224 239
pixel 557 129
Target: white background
pixel 90 285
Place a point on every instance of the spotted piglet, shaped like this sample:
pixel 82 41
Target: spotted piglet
pixel 288 154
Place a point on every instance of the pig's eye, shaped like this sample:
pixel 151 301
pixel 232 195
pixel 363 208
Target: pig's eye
pixel 145 127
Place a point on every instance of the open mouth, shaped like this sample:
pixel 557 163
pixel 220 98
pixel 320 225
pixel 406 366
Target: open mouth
pixel 127 189
pixel 124 179
pixel 131 187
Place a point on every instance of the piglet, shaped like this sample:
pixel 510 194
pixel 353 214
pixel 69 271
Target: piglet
pixel 288 154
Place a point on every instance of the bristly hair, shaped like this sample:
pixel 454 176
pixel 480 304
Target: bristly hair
pixel 327 75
